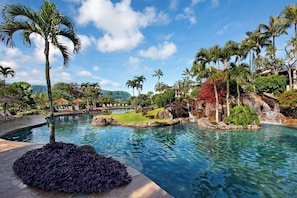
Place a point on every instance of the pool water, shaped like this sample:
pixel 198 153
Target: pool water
pixel 188 161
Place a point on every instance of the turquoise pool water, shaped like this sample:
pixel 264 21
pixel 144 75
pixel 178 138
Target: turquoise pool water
pixel 188 161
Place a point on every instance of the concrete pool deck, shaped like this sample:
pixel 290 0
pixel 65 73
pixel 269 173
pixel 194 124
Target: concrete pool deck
pixel 12 186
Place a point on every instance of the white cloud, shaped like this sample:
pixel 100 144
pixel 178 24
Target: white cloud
pixel 223 30
pixel 119 23
pixel 84 73
pixel 86 41
pixel 188 14
pixel 214 3
pixel 96 68
pixel 108 83
pixel 133 60
pixel 173 4
pixel 162 51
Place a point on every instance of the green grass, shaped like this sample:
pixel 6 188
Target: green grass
pixel 135 117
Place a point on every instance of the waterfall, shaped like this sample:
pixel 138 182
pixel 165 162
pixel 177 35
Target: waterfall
pixel 191 117
pixel 269 115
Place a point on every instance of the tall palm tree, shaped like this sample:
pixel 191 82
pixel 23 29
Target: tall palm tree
pixel 275 28
pixel 158 74
pixel 5 71
pixel 289 14
pixel 48 23
pixel 139 80
pixel 241 74
pixel 131 84
pixel 254 42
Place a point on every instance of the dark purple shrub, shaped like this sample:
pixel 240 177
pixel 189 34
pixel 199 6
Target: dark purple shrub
pixel 69 168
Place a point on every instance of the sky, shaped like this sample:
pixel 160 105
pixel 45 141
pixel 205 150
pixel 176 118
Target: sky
pixel 121 39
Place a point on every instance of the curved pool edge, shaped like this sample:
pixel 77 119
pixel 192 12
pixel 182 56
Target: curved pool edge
pixel 12 186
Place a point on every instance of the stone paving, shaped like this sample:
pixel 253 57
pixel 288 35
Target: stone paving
pixel 12 186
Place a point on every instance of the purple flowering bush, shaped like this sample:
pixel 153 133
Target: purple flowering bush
pixel 66 167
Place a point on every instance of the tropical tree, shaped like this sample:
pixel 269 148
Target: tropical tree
pixel 241 74
pixel 254 42
pixel 5 71
pixel 131 84
pixel 158 74
pixel 48 23
pixel 289 14
pixel 139 80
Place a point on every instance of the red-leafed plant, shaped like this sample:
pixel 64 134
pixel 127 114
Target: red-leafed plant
pixel 207 92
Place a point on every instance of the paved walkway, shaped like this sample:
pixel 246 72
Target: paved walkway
pixel 12 186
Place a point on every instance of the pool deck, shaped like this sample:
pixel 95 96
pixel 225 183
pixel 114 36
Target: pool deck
pixel 12 186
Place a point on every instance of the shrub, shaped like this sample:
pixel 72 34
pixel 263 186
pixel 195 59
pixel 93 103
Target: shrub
pixel 161 100
pixel 243 115
pixel 271 84
pixel 288 99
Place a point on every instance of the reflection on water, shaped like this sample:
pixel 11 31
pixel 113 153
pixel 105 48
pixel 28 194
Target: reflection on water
pixel 188 161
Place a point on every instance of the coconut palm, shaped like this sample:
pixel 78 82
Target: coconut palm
pixel 48 23
pixel 254 42
pixel 241 74
pixel 139 80
pixel 158 73
pixel 275 28
pixel 131 84
pixel 5 71
pixel 289 14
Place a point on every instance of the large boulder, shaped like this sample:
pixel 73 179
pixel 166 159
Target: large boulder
pixel 99 121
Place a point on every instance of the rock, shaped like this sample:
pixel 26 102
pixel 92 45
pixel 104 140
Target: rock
pixel 205 123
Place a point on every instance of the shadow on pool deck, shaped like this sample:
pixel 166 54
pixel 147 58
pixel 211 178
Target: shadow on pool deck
pixel 12 186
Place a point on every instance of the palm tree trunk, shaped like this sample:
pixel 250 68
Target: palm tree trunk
pixel 238 94
pixel 217 102
pixel 49 92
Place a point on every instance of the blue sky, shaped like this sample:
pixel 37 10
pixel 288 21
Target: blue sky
pixel 126 38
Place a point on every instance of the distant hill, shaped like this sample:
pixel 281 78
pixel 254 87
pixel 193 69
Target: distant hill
pixel 118 95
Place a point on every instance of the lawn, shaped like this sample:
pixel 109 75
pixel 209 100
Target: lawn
pixel 132 116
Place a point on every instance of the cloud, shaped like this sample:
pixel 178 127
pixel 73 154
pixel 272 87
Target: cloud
pixel 96 68
pixel 109 83
pixel 214 3
pixel 223 30
pixel 86 41
pixel 119 23
pixel 84 73
pixel 188 14
pixel 133 60
pixel 160 52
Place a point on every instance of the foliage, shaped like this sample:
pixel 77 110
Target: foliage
pixel 207 91
pixel 195 92
pixel 271 84
pixel 118 95
pixel 23 92
pixel 65 90
pixel 243 115
pixel 154 113
pixel 133 117
pixel 288 99
pixel 40 100
pixel 68 168
pixel 161 100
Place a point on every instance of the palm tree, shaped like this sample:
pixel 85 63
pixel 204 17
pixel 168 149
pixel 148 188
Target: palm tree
pixel 48 23
pixel 131 84
pixel 158 73
pixel 241 74
pixel 289 14
pixel 275 28
pixel 225 54
pixel 254 42
pixel 5 71
pixel 139 80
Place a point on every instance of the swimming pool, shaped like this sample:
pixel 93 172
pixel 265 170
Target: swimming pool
pixel 188 161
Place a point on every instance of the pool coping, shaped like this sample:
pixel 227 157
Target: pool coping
pixel 12 186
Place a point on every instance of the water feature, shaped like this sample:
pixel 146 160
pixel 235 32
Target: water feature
pixel 188 161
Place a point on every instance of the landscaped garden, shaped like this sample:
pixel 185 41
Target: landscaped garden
pixel 240 94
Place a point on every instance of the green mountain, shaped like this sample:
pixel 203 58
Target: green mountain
pixel 118 95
